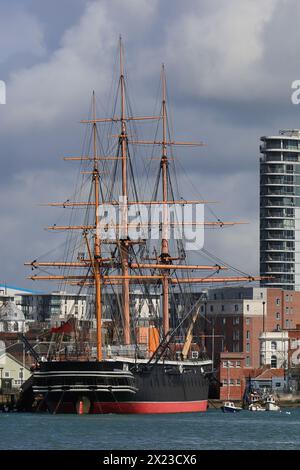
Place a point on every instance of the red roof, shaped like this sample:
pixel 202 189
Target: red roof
pixel 269 373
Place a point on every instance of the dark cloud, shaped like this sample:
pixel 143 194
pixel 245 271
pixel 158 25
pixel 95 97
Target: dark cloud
pixel 229 66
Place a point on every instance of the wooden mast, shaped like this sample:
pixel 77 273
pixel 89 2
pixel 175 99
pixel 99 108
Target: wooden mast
pixel 164 241
pixel 123 242
pixel 164 262
pixel 97 244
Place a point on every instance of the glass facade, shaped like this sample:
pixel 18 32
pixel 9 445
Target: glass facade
pixel 280 209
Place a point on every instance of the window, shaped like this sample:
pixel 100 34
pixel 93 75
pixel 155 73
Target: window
pixel 223 308
pixel 286 323
pixel 236 335
pixel 277 384
pixel 278 327
pixel 224 382
pixel 261 295
pixel 291 298
pixel 248 307
pixel 277 301
pixel 248 361
pixel 202 308
pixel 225 364
pixel 248 334
pixel 236 321
pixel 291 310
pixel 274 362
pixel 211 308
pixel 294 343
pixel 231 382
pixel 215 296
pixel 238 382
pixel 236 308
pixel 287 310
pixel 277 316
pixel 248 347
pixel 224 321
pixel 287 298
pixel 7 374
pixel 247 321
pixel 273 345
pixel 238 363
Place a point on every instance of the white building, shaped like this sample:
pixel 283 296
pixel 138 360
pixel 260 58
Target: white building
pixel 12 318
pixel 274 346
pixel 280 210
pixel 54 307
pixel 12 371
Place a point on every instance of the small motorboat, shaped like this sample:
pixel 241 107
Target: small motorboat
pixel 230 407
pixel 256 407
pixel 271 404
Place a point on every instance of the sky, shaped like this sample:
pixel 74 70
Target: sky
pixel 229 65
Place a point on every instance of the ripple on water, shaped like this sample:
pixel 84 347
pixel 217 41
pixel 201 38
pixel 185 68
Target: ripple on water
pixel 211 430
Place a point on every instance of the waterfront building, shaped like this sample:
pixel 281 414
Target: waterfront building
pixel 233 376
pixel 53 307
pixel 234 318
pixel 274 349
pixel 280 210
pixel 13 373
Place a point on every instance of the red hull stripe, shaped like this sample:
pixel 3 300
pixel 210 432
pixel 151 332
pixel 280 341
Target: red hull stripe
pixel 149 407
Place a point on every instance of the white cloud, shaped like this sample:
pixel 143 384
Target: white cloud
pixel 220 52
pixel 61 86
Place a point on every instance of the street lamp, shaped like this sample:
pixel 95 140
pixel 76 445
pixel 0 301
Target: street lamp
pixel 264 335
pixel 21 375
pixel 263 304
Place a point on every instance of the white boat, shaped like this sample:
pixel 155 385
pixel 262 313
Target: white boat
pixel 271 404
pixel 230 407
pixel 256 407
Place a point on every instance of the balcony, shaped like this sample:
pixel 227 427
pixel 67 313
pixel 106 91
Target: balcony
pixel 278 269
pixel 278 180
pixel 278 235
pixel 280 224
pixel 275 169
pixel 275 257
pixel 277 246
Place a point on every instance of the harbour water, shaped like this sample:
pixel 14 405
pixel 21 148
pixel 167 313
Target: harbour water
pixel 211 430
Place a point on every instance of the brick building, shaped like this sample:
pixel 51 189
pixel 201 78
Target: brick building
pixel 234 318
pixel 232 376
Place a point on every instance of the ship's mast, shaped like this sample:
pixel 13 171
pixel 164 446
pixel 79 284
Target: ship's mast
pixel 163 263
pixel 97 244
pixel 124 243
pixel 164 242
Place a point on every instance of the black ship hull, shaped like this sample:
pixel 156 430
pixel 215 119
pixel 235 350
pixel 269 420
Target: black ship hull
pixel 122 386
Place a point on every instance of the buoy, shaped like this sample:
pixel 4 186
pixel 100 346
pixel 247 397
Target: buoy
pixel 83 405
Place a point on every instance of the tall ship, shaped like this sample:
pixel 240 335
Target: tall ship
pixel 141 359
